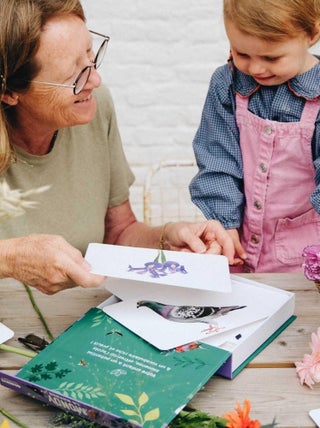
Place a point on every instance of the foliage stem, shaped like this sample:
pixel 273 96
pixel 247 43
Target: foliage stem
pixel 39 313
pixel 16 350
pixel 12 418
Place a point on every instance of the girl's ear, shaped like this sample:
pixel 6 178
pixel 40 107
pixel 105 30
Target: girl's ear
pixel 314 38
pixel 10 98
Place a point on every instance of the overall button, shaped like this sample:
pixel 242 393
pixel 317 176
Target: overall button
pixel 255 239
pixel 257 205
pixel 263 167
pixel 267 130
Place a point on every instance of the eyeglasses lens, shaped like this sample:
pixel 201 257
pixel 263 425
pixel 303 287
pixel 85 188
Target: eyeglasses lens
pixel 100 54
pixel 83 77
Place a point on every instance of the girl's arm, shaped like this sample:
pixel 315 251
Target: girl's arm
pixel 217 189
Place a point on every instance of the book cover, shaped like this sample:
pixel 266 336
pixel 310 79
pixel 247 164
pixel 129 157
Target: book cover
pixel 102 371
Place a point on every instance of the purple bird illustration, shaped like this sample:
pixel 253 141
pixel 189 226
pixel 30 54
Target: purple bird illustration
pixel 188 314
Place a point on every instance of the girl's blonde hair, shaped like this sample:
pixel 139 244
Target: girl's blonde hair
pixel 273 20
pixel 21 23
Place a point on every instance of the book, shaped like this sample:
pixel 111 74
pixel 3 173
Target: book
pixel 173 320
pixel 102 371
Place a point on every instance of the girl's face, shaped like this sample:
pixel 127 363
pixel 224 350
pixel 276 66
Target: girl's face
pixel 65 50
pixel 270 63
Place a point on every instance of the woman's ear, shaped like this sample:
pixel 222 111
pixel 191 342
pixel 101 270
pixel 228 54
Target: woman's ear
pixel 10 98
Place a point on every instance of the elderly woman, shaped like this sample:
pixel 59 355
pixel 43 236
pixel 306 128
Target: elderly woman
pixel 58 128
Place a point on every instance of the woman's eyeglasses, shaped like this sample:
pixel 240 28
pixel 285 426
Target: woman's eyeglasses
pixel 84 75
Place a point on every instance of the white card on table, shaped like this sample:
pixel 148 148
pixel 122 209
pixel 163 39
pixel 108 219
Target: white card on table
pixel 315 416
pixel 5 333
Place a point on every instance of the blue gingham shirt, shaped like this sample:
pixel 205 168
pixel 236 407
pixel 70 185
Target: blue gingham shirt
pixel 217 189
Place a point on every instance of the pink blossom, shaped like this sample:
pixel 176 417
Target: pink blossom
pixel 311 265
pixel 308 369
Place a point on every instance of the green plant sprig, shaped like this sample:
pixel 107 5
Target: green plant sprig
pixel 15 350
pixel 38 312
pixel 12 418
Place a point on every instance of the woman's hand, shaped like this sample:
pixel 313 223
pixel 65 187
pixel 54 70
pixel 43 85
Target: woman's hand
pixel 46 262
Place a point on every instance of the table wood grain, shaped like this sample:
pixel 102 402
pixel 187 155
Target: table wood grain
pixel 269 381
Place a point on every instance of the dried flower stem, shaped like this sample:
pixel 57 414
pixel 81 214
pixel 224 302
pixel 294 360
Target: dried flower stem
pixel 16 350
pixel 39 313
pixel 13 418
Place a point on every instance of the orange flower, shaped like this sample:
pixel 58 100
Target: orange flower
pixel 240 418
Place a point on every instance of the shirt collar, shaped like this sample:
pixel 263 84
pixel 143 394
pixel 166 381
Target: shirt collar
pixel 305 85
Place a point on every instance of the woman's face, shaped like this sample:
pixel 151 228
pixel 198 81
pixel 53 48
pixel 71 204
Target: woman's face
pixel 65 50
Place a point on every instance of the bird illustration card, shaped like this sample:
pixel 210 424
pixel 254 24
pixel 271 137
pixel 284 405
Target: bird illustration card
pixel 168 324
pixel 160 267
pixel 5 333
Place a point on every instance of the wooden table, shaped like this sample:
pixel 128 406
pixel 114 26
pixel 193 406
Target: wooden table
pixel 269 382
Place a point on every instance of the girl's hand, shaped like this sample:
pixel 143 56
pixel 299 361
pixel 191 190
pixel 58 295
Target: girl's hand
pixel 208 237
pixel 240 252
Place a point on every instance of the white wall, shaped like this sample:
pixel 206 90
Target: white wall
pixel 158 65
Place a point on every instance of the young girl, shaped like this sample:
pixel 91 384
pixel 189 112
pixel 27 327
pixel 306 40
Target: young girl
pixel 258 143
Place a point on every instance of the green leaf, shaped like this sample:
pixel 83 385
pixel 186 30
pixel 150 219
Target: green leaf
pixel 125 399
pixel 51 366
pixel 152 415
pixel 143 399
pixel 78 386
pixel 37 368
pixel 129 412
pixel 162 256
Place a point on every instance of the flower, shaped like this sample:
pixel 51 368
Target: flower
pixel 5 424
pixel 311 266
pixel 308 369
pixel 240 418
pixel 13 202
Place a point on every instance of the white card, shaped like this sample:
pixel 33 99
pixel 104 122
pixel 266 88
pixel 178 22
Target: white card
pixel 165 333
pixel 5 333
pixel 315 416
pixel 169 268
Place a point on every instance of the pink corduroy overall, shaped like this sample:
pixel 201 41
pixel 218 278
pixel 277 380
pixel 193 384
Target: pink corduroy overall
pixel 279 220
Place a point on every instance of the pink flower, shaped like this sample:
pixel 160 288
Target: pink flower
pixel 311 265
pixel 308 369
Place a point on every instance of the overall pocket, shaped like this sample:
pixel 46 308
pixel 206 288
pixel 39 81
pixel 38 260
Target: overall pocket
pixel 292 235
